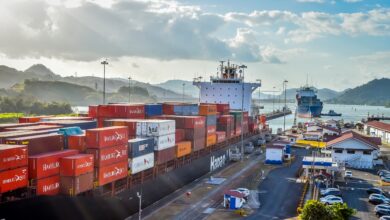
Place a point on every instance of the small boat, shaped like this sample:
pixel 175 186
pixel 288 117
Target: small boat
pixel 331 113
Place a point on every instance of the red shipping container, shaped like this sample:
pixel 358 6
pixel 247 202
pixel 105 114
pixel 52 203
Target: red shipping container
pixel 14 125
pixel 232 133
pixel 179 135
pixel 13 179
pixel 93 111
pixel 198 143
pixel 13 156
pixel 48 186
pixel 34 128
pixel 16 134
pixel 221 136
pixel 74 185
pixel 111 173
pixel 225 119
pixel 106 137
pixel 165 155
pixel 39 144
pixel 107 156
pixel 77 142
pixel 130 110
pixel 223 108
pixel 237 131
pixel 211 129
pixel 29 119
pixel 131 124
pixel 76 165
pixel 193 122
pixel 191 134
pixel 48 164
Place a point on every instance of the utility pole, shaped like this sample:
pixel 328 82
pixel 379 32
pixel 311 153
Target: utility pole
pixel 104 63
pixel 285 105
pixel 139 195
pixel 242 112
pixel 183 91
pixel 273 99
pixel 129 87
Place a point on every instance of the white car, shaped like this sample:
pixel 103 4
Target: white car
pixel 348 173
pixel 326 191
pixel 329 196
pixel 332 200
pixel 385 217
pixel 244 191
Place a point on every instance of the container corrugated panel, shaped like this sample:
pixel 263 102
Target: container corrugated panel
pixel 77 142
pixel 131 124
pixel 39 144
pixel 164 142
pixel 68 118
pixel 223 108
pixel 211 130
pixel 29 119
pixel 49 186
pixel 16 134
pixel 45 165
pixel 179 135
pixel 163 156
pixel 13 179
pixel 141 163
pixel 93 111
pixel 109 155
pixel 111 173
pixel 221 136
pixel 183 148
pixel 211 140
pixel 191 122
pixel 198 143
pixel 35 128
pixel 225 119
pixel 127 111
pixel 14 125
pixel 153 110
pixel 13 156
pixel 82 124
pixel 211 120
pixel 76 165
pixel 207 109
pixel 74 185
pixel 140 146
pixel 160 127
pixel 191 134
pixel 106 137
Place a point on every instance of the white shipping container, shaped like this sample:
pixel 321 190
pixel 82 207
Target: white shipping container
pixel 160 127
pixel 164 142
pixel 141 163
pixel 141 128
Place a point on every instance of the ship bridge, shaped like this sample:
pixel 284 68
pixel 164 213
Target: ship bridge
pixel 228 87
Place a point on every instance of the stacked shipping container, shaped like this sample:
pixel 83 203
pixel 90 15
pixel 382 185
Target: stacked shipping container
pixel 13 167
pixel 210 112
pixel 76 174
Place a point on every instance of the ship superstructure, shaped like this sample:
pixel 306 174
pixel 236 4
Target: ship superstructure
pixel 228 87
pixel 308 104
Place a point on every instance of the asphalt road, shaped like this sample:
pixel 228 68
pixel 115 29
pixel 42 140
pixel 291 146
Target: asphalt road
pixel 354 193
pixel 279 193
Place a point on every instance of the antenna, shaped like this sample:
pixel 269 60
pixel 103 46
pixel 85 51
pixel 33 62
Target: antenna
pixel 307 80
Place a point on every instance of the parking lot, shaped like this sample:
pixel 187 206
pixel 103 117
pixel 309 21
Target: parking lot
pixel 354 192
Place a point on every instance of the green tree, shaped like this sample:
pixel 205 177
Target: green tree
pixel 315 210
pixel 342 211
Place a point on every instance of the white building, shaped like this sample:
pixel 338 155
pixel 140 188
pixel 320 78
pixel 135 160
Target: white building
pixel 378 129
pixel 328 130
pixel 331 123
pixel 228 87
pixel 354 150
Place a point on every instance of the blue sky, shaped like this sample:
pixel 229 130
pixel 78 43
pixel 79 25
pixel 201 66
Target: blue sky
pixel 339 43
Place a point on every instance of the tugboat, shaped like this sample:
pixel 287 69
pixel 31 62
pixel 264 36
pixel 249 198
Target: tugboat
pixel 309 106
pixel 331 113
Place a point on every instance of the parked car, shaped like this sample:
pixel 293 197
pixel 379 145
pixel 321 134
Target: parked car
pixel 375 190
pixel 383 172
pixel 331 200
pixel 385 179
pixel 348 174
pixel 244 191
pixel 330 191
pixel 381 210
pixel 329 196
pixel 249 148
pixel 260 141
pixel 385 217
pixel 378 199
pixel 268 137
pixel 235 154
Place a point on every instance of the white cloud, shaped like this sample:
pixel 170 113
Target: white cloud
pixel 311 1
pixel 353 1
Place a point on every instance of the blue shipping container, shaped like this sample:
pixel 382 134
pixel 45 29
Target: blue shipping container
pixel 140 146
pixel 188 109
pixel 153 110
pixel 211 120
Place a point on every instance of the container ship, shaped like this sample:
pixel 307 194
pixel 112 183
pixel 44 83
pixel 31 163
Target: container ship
pixel 308 105
pixel 94 166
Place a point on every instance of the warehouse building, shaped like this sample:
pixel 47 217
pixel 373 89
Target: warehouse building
pixel 378 129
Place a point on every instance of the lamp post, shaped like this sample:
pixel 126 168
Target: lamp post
pixel 139 195
pixel 242 111
pixel 285 105
pixel 129 88
pixel 273 99
pixel 183 91
pixel 104 63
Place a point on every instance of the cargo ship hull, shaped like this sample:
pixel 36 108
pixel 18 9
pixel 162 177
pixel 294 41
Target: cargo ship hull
pixel 122 200
pixel 309 111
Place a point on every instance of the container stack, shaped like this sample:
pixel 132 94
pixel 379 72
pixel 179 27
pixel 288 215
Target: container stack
pixel 111 111
pixel 131 124
pixel 176 108
pixel 240 122
pixel 109 148
pixel 39 144
pixel 44 171
pixel 140 154
pixel 152 110
pixel 226 124
pixel 76 174
pixel 210 112
pixel 13 167
pixel 194 129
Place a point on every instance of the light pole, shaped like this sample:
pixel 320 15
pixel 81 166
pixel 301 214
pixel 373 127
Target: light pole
pixel 285 105
pixel 273 99
pixel 139 195
pixel 183 91
pixel 129 88
pixel 104 63
pixel 259 80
